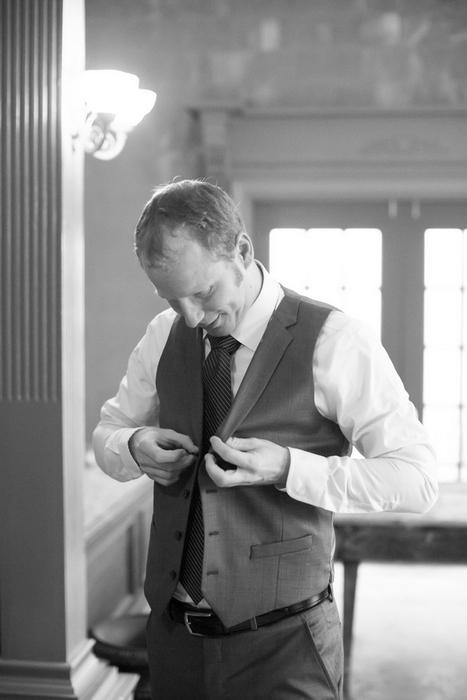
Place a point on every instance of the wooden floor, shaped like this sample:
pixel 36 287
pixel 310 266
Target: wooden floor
pixel 410 632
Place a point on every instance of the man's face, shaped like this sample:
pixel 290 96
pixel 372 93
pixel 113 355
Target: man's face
pixel 210 293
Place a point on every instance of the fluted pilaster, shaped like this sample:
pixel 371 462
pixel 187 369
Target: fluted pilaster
pixel 44 650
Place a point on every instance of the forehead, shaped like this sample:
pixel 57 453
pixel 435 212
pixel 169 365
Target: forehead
pixel 192 271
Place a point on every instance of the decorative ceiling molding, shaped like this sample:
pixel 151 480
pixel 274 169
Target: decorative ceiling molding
pixel 404 146
pixel 278 144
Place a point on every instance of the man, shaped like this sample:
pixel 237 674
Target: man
pixel 253 504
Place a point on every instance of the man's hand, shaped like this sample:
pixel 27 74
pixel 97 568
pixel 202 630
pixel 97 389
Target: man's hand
pixel 257 462
pixel 162 454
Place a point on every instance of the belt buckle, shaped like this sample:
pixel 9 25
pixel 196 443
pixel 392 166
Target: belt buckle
pixel 187 621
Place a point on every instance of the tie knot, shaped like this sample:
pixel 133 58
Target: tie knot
pixel 224 342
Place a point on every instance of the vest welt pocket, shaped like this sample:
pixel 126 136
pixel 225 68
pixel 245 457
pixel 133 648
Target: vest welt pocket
pixel 274 549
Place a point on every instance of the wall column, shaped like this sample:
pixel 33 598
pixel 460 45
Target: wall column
pixel 44 651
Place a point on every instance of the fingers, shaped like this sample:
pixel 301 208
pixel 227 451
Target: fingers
pixel 226 455
pixel 153 439
pixel 169 439
pixel 158 445
pixel 162 454
pixel 163 477
pixel 167 456
pixel 236 444
pixel 221 477
pixel 255 462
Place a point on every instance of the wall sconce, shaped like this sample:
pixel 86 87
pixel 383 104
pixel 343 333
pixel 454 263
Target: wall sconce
pixel 114 105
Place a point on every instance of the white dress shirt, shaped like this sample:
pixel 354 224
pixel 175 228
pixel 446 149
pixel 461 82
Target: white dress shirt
pixel 356 386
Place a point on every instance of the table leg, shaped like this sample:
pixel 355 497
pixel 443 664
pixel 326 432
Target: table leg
pixel 350 586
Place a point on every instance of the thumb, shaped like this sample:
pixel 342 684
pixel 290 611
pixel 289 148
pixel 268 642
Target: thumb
pixel 231 442
pixel 242 444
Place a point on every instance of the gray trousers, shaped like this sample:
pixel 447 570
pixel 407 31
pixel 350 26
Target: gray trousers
pixel 298 657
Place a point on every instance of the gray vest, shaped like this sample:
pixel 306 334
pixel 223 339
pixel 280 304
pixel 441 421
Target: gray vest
pixel 263 549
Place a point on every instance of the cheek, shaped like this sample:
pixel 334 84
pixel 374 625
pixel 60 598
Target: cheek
pixel 226 297
pixel 217 301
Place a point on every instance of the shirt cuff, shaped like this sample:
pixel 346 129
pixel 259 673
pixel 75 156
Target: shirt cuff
pixel 308 476
pixel 124 451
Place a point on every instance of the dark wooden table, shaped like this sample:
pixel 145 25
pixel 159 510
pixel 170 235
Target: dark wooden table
pixel 436 537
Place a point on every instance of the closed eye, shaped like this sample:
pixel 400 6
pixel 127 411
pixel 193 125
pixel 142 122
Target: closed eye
pixel 205 294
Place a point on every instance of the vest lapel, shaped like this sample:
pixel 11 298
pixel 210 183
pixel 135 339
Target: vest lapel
pixel 274 343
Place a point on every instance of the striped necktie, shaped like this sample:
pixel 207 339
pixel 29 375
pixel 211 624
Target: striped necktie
pixel 217 387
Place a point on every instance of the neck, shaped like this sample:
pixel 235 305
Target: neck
pixel 254 281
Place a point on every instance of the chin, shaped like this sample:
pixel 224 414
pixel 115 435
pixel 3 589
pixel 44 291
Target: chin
pixel 220 329
pixel 219 332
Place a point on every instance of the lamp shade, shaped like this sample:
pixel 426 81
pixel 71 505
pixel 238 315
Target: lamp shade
pixel 115 92
pixel 135 108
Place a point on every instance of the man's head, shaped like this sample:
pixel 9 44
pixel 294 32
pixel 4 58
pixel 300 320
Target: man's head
pixel 202 210
pixel 193 246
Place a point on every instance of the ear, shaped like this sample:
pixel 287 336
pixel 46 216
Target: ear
pixel 245 249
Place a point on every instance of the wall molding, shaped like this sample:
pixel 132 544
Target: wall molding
pixel 355 155
pixel 35 680
pixel 351 154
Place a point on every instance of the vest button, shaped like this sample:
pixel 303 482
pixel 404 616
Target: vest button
pixel 178 535
pixel 173 574
pixel 186 493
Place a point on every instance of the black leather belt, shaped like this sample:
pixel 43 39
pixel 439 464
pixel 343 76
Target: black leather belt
pixel 205 623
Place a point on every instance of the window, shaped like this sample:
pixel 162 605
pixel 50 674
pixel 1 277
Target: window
pixel 445 336
pixel 338 266
pixel 403 271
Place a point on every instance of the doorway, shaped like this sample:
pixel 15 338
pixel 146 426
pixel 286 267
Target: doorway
pixel 424 338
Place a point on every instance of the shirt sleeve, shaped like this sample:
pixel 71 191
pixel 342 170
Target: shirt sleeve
pixel 393 466
pixel 136 404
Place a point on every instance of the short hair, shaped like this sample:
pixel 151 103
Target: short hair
pixel 207 211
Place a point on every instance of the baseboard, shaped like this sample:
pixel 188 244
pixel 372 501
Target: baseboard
pixel 89 679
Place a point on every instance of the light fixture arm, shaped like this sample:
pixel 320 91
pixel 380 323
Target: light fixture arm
pixel 100 139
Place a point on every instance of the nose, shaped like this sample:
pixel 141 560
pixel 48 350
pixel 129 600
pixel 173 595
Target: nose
pixel 191 312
